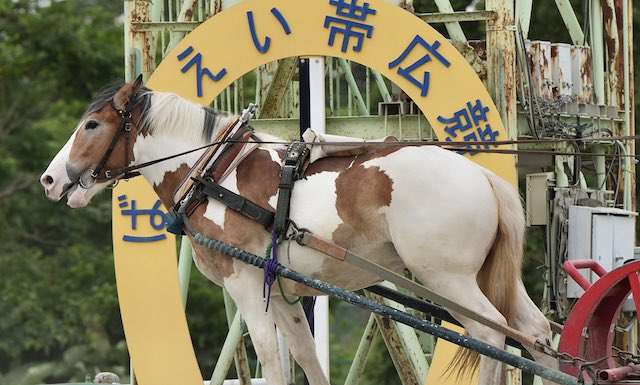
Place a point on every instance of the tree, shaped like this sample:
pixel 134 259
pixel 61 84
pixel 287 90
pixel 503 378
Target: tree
pixel 58 301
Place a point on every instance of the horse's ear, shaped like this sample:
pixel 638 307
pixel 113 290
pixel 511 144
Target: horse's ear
pixel 126 93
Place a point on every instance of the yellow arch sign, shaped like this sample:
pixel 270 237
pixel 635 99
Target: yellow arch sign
pixel 374 33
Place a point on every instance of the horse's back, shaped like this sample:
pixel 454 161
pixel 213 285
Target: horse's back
pixel 419 197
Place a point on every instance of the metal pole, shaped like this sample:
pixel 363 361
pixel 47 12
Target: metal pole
pixel 184 268
pixel 629 201
pixel 501 61
pixel 228 351
pixel 240 357
pixel 353 87
pixel 597 50
pixel 360 359
pixel 382 86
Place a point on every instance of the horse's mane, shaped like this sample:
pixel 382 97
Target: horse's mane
pixel 106 94
pixel 166 113
pixel 170 115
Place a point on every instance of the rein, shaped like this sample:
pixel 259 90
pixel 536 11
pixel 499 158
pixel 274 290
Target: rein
pixel 88 178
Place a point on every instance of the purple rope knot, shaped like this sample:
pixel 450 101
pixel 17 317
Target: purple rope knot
pixel 270 269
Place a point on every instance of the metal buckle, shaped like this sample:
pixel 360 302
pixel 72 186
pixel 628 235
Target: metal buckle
pixel 87 179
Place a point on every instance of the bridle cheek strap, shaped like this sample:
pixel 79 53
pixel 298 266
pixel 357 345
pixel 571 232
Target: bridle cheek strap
pixel 125 127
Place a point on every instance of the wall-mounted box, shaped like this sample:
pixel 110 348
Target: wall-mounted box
pixel 603 234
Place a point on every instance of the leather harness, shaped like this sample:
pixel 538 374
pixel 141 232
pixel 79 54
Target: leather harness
pixel 205 185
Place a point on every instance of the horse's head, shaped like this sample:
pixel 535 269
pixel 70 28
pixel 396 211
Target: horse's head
pixel 102 142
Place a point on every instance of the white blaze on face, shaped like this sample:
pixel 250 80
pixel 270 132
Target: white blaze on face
pixel 55 179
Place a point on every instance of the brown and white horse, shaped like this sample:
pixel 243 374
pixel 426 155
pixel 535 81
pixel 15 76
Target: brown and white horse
pixel 457 226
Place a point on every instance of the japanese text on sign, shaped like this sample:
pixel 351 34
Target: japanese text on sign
pixel 471 123
pixel 156 219
pixel 264 47
pixel 349 23
pixel 200 71
pixel 406 72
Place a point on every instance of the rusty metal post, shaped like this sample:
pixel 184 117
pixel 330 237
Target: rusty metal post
pixel 501 55
pixel 402 344
pixel 629 91
pixel 277 87
pixel 139 53
pixel 613 25
pixel 597 50
pixel 187 13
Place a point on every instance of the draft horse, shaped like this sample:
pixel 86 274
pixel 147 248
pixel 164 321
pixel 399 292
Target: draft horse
pixel 457 226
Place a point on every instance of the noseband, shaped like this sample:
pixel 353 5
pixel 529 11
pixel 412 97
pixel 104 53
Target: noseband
pixel 88 178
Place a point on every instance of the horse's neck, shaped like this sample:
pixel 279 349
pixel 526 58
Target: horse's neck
pixel 175 125
pixel 165 176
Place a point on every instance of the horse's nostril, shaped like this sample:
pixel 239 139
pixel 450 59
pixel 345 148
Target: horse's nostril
pixel 47 179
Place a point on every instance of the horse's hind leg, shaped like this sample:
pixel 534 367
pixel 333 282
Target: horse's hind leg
pixel 462 289
pixel 293 324
pixel 528 319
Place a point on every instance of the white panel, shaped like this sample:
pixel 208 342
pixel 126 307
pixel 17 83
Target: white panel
pixel 602 241
pixel 579 244
pixel 623 240
pixel 603 234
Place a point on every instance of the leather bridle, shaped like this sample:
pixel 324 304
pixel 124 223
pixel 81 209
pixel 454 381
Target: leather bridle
pixel 89 177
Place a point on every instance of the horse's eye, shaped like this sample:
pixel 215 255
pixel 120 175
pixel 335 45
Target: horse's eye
pixel 91 125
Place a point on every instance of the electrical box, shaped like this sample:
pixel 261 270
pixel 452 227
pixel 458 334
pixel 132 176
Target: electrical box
pixel 603 234
pixel 536 199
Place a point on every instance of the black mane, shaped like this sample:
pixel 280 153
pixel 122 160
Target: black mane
pixel 105 95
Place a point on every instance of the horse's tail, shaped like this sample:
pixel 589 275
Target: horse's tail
pixel 498 277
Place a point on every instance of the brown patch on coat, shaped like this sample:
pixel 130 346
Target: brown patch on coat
pixel 213 265
pixel 341 163
pixel 257 180
pixel 258 177
pixel 171 180
pixel 361 192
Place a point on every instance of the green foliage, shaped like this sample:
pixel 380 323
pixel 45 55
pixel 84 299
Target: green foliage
pixel 59 316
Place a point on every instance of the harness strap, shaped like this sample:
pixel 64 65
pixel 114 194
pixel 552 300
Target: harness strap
pixel 236 202
pixel 296 157
pixel 332 250
pixel 124 127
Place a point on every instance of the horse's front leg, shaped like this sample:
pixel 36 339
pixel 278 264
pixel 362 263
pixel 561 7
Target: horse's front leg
pixel 294 326
pixel 245 288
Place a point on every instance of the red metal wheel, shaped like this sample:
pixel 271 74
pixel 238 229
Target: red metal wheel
pixel 589 330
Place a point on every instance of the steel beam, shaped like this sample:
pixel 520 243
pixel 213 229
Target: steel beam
pixel 571 21
pixel 459 16
pixel 240 356
pixel 501 62
pixel 597 50
pixel 278 87
pixel 402 343
pixel 360 358
pixel 353 86
pixel 185 261
pixel 453 27
pixel 523 12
